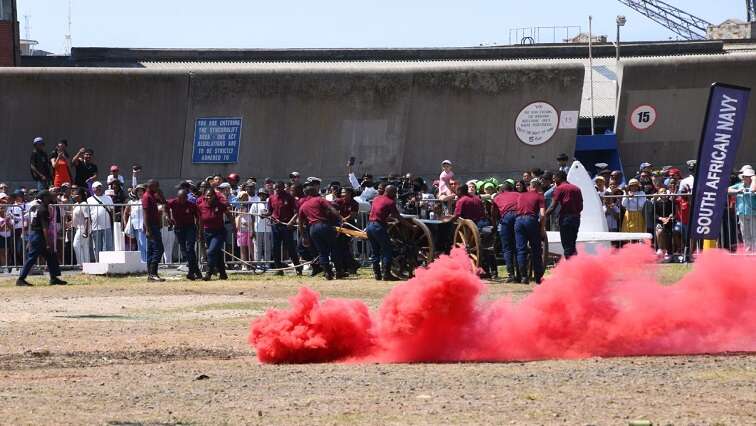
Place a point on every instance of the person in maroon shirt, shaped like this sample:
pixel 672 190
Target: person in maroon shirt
pixel 469 207
pixel 184 217
pixel 506 202
pixel 348 209
pixel 569 197
pixel 152 224
pixel 382 212
pixel 211 212
pixel 529 227
pixel 320 215
pixel 283 212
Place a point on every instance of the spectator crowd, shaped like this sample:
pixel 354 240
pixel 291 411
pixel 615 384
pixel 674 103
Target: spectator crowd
pixel 259 223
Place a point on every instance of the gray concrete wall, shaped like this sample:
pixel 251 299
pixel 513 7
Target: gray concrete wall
pixel 126 117
pixel 678 87
pixel 394 117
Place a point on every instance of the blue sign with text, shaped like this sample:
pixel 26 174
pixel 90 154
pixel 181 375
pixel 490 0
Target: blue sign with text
pixel 722 133
pixel 216 140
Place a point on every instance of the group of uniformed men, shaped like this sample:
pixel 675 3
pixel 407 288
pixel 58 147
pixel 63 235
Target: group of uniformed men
pixel 521 219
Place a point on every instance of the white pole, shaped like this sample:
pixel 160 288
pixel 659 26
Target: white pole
pixel 590 66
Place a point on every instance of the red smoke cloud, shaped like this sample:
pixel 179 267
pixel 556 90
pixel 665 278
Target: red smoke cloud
pixel 608 305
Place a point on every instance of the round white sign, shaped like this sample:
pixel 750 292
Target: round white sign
pixel 536 123
pixel 643 117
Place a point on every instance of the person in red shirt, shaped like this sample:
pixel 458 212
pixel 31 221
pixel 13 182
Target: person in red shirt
pixel 211 212
pixel 184 217
pixel 348 209
pixel 469 207
pixel 382 212
pixel 570 199
pixel 506 202
pixel 319 215
pixel 529 227
pixel 283 212
pixel 152 224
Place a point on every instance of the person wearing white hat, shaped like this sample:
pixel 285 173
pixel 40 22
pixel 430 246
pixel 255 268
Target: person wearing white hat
pixel 745 207
pixel 445 191
pixel 100 217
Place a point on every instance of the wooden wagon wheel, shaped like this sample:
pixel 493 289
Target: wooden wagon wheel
pixel 467 236
pixel 412 244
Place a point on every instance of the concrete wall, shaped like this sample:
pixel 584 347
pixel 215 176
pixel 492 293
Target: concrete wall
pixel 678 87
pixel 394 117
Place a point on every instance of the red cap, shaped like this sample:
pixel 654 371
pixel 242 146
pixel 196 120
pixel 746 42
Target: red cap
pixel 233 177
pixel 113 168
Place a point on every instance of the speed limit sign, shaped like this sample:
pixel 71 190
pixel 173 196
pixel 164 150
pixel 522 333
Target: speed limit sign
pixel 643 117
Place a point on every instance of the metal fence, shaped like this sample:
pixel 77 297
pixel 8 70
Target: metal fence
pixel 664 216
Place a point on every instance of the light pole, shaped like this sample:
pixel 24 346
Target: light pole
pixel 620 23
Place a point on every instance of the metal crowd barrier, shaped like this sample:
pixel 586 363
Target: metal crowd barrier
pixel 660 215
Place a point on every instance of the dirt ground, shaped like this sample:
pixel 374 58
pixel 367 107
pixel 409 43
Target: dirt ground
pixel 126 352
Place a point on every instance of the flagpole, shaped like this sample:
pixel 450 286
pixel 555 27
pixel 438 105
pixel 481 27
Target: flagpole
pixel 590 66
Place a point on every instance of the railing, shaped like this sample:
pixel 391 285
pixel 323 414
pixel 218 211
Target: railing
pixel 664 216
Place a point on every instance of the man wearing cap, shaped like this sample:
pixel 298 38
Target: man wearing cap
pixel 686 185
pixel 645 167
pixel 562 160
pixel 382 212
pixel 41 243
pixel 184 217
pixel 318 215
pixel 444 181
pixel 101 217
pixel 745 207
pixel 40 166
pixel 283 212
pixel 506 202
pixel 569 199
pixel 294 178
pixel 84 168
pixel 152 224
pixel 529 227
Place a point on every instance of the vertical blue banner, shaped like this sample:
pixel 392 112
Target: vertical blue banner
pixel 216 140
pixel 722 133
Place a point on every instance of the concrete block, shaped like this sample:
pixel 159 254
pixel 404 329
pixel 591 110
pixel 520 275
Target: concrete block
pixel 120 257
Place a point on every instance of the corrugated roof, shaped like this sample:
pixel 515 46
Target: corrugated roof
pixel 604 71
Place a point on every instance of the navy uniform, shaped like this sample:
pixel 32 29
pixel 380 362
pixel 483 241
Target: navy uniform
pixel 40 244
pixel 528 226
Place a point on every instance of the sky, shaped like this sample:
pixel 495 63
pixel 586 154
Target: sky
pixel 334 23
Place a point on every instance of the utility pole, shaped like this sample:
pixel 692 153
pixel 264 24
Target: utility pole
pixel 27 27
pixel 590 66
pixel 67 43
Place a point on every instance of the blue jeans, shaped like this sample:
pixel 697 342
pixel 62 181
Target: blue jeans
pixel 215 239
pixel 187 238
pixel 283 236
pixel 37 249
pixel 568 231
pixel 507 237
pixel 527 232
pixel 102 240
pixel 154 245
pixel 323 237
pixel 141 238
pixel 380 243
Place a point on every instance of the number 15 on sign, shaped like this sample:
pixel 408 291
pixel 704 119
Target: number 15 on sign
pixel 643 117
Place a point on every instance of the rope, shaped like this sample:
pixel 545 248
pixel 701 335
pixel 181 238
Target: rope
pixel 309 262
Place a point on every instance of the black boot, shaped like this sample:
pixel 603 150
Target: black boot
pixel 328 272
pixel 23 283
pixel 57 281
pixel 316 269
pixel 222 271
pixel 377 272
pixel 152 273
pixel 524 276
pixel 511 276
pixel 208 274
